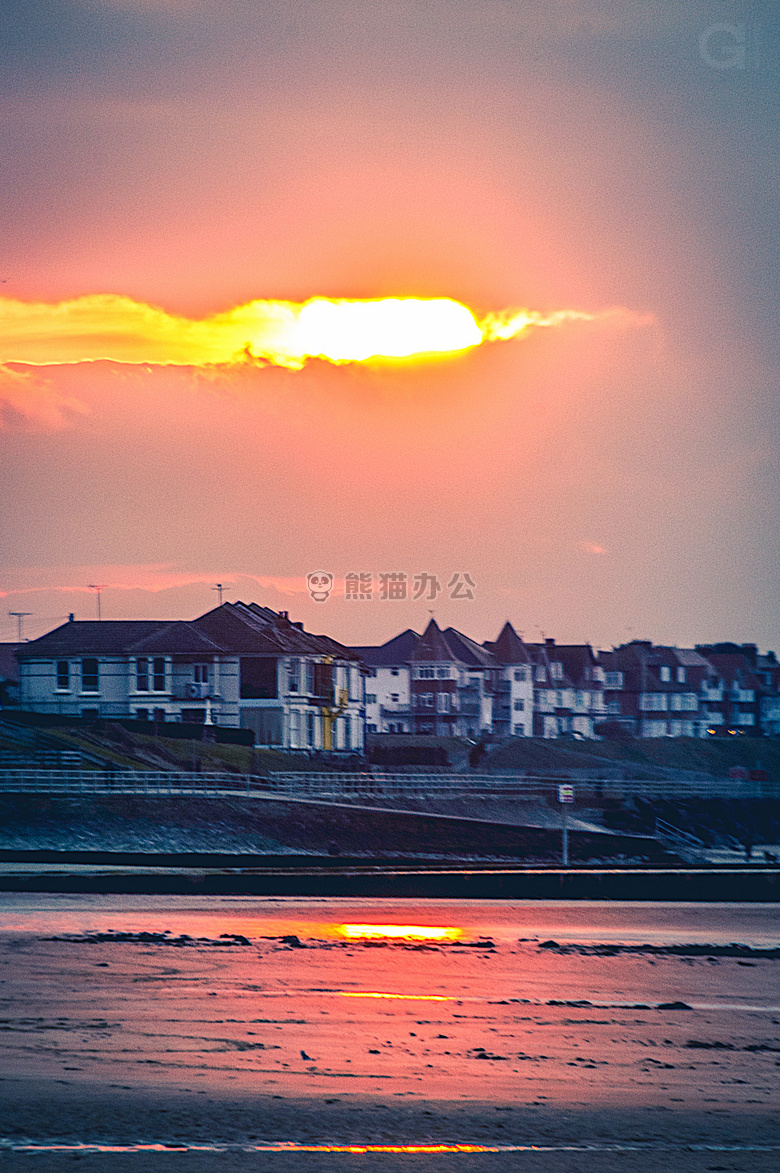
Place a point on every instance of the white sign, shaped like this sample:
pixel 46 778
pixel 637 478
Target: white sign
pixel 566 792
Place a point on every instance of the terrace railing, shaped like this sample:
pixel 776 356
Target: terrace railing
pixel 334 786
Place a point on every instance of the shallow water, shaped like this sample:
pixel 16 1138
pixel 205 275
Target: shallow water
pixel 629 922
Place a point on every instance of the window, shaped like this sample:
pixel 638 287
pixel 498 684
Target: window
pixel 355 687
pixel 394 697
pixel 200 674
pixel 443 673
pixel 666 674
pixel 556 670
pixel 613 679
pixel 394 671
pixel 159 714
pixel 153 671
pixel 580 700
pixel 613 707
pixel 541 674
pixel 425 673
pixel 684 701
pixel 650 702
pixel 518 731
pixel 310 729
pixel 370 698
pixel 443 702
pixel 89 675
pixel 680 675
pixel 63 675
pixel 426 700
pixel 521 673
pixel 193 716
pixel 258 678
pixel 519 706
pixel 142 714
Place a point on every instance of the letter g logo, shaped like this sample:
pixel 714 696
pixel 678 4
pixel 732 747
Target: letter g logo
pixel 722 46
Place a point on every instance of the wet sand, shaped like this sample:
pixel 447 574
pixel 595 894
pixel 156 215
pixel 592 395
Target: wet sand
pixel 253 1040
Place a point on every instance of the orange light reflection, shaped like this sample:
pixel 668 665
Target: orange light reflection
pixel 397 1148
pixel 399 997
pixel 400 932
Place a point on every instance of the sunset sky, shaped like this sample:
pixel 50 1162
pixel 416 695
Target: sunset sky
pixel 606 477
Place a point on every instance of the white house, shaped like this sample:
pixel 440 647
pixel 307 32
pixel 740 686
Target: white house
pixel 239 665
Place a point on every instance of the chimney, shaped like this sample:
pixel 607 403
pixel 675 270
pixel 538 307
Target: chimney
pixel 71 617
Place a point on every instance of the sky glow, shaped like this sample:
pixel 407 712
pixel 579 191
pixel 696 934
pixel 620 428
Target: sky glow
pixel 402 287
pixel 281 333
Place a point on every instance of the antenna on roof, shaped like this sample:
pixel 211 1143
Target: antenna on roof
pixel 19 616
pixel 218 589
pixel 98 587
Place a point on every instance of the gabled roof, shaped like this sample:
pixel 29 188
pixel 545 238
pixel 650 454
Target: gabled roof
pixel 509 648
pixel 578 660
pixel 232 630
pixel 178 638
pixel 92 637
pixel 393 654
pixel 468 651
pixel 236 628
pixel 735 668
pixel 689 658
pixel 247 627
pixel 434 647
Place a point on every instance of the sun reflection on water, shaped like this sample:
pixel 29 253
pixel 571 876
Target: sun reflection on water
pixel 364 932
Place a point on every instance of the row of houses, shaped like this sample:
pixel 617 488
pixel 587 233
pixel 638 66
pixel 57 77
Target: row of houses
pixel 442 682
pixel 243 665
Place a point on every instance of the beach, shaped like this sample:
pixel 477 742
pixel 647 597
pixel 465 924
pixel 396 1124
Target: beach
pixel 638 1036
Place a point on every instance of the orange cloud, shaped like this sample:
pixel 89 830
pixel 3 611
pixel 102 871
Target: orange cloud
pixel 592 548
pixel 285 334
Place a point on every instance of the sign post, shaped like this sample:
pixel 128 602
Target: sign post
pixel 565 796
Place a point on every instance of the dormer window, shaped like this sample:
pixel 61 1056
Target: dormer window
pixel 666 674
pixel 681 675
pixel 426 673
pixel 556 670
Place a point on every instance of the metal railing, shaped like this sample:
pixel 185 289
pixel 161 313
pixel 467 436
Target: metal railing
pixel 688 846
pixel 334 785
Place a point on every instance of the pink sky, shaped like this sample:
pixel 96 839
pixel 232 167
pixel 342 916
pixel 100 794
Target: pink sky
pixel 602 481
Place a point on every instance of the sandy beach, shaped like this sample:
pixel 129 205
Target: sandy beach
pixel 640 1038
